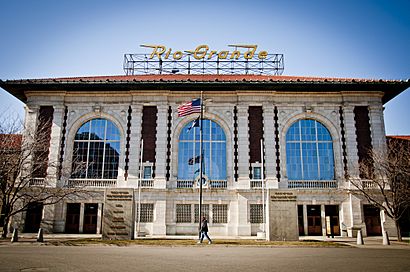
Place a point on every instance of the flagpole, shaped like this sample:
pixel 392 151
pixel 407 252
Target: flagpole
pixel 200 167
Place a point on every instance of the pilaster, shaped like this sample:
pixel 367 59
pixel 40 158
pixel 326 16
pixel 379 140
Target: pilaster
pixel 161 146
pixel 377 127
pixel 55 141
pixel 243 147
pixel 351 142
pixel 81 223
pixel 269 146
pixel 159 225
pixel 135 146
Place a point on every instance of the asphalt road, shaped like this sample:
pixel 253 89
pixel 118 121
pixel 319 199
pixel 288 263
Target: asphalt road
pixel 200 258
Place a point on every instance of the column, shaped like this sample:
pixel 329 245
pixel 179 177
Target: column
pixel 243 148
pixel 323 219
pixel 269 143
pixel 99 217
pixel 159 226
pixel 244 228
pixel 81 223
pixel 55 141
pixel 30 125
pixel 305 220
pixel 135 146
pixel 377 127
pixel 161 147
pixel 351 142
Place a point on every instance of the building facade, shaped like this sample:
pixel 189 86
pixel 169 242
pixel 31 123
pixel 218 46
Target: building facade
pixel 298 134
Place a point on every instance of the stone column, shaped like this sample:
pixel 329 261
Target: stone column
pixel 244 228
pixel 243 148
pixel 161 147
pixel 99 217
pixel 55 142
pixel 269 143
pixel 159 226
pixel 135 146
pixel 351 142
pixel 323 219
pixel 305 220
pixel 377 127
pixel 81 223
pixel 30 125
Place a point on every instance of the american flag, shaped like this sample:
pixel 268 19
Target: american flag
pixel 188 108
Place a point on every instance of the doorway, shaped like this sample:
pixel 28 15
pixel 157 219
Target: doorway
pixel 72 222
pixel 314 220
pixel 372 220
pixel 90 218
pixel 34 215
pixel 332 216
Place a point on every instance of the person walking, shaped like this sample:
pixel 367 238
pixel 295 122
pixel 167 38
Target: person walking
pixel 204 231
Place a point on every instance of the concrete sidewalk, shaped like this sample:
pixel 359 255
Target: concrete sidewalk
pixel 369 242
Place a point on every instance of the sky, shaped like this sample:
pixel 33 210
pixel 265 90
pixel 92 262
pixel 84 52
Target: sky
pixel 354 39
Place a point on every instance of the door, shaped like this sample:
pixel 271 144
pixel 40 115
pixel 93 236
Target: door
pixel 372 220
pixel 333 212
pixel 314 220
pixel 72 222
pixel 33 217
pixel 90 218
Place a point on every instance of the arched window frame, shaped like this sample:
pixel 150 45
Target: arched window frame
pixel 195 131
pixel 84 174
pixel 316 141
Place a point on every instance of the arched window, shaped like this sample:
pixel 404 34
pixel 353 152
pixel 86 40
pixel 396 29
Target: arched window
pixel 97 149
pixel 309 151
pixel 214 149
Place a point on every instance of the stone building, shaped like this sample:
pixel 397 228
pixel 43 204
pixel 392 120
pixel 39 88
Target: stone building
pixel 314 132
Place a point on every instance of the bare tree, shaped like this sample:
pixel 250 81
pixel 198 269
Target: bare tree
pixel 23 166
pixel 385 180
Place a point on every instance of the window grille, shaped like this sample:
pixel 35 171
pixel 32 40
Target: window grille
pixel 183 213
pixel 205 212
pixel 220 213
pixel 309 151
pixel 97 147
pixel 147 213
pixel 256 213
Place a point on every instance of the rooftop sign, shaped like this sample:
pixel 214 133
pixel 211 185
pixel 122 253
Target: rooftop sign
pixel 241 59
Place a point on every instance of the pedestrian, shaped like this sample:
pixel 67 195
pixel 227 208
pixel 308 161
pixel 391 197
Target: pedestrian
pixel 204 231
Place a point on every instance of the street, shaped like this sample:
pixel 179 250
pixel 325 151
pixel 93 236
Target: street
pixel 199 258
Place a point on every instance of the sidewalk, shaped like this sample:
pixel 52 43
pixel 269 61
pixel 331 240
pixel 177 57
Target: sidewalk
pixel 369 242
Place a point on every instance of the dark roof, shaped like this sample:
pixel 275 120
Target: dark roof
pixel 391 88
pixel 10 141
pixel 401 137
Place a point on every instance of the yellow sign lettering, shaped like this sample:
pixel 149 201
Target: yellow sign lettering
pixel 201 52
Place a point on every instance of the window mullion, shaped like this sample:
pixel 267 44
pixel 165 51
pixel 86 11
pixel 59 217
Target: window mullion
pixel 103 157
pixel 300 149
pixel 317 152
pixel 88 149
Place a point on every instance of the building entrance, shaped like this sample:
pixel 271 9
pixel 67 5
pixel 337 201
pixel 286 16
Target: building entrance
pixel 72 223
pixel 332 216
pixel 90 218
pixel 33 217
pixel 314 220
pixel 372 220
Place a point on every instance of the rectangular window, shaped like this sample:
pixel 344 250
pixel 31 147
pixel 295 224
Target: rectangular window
pixel 205 212
pixel 147 213
pixel 183 213
pixel 148 172
pixel 220 213
pixel 257 172
pixel 256 213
